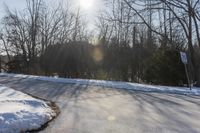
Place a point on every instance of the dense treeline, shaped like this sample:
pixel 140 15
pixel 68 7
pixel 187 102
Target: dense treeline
pixel 112 61
pixel 130 44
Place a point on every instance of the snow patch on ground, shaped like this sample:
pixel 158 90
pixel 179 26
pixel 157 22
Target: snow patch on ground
pixel 20 112
pixel 114 84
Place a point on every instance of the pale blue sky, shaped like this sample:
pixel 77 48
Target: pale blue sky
pixel 18 4
pixel 21 4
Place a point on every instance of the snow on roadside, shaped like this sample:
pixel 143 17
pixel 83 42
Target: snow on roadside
pixel 20 112
pixel 114 84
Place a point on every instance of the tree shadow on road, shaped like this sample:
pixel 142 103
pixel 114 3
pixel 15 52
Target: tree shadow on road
pixel 167 112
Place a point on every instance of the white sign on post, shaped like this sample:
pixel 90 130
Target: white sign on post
pixel 184 57
pixel 185 62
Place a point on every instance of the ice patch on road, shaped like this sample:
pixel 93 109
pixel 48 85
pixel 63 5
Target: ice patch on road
pixel 20 112
pixel 114 84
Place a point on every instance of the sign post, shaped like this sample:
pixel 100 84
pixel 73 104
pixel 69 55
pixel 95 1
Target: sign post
pixel 185 62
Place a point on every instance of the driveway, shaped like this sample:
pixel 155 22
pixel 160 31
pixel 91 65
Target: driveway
pixel 95 109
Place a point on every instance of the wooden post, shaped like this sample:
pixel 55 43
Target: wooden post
pixel 188 78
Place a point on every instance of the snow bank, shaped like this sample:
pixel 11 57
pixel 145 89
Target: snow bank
pixel 20 112
pixel 114 84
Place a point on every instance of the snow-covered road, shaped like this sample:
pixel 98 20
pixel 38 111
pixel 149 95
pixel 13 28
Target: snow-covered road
pixel 96 109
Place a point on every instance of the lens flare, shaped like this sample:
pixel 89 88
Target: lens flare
pixel 97 55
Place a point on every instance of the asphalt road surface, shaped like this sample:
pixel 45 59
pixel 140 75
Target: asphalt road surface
pixel 92 109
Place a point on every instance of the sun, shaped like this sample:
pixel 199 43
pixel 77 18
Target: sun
pixel 86 4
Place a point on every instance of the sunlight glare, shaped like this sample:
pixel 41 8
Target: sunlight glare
pixel 86 4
